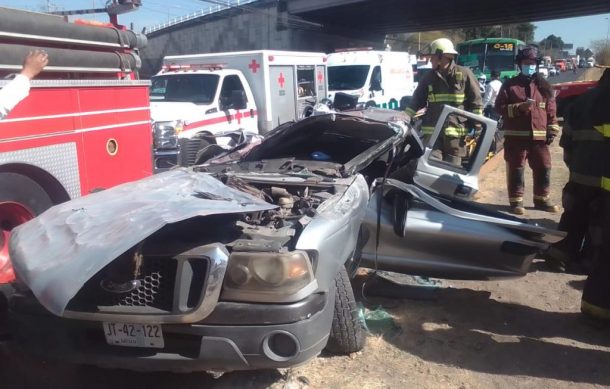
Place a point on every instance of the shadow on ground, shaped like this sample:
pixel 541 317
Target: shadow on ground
pixel 24 372
pixel 468 329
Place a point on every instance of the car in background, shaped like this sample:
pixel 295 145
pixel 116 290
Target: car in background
pixel 544 71
pixel 590 62
pixel 560 64
pixel 552 71
pixel 567 92
pixel 582 63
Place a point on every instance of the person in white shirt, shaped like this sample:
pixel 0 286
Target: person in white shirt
pixel 491 92
pixel 19 88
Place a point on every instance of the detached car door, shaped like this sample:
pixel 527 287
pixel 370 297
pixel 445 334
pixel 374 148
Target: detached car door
pixel 430 228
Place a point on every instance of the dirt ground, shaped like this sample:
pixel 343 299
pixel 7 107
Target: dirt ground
pixel 524 333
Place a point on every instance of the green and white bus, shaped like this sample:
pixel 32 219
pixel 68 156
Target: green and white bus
pixel 487 54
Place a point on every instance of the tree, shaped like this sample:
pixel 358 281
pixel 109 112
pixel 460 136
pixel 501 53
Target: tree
pixel 552 42
pixel 599 45
pixel 580 51
pixel 525 31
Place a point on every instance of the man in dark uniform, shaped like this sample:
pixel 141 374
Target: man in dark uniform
pixel 586 197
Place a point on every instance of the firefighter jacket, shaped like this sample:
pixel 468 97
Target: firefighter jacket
pixel 586 137
pixel 459 88
pixel 535 124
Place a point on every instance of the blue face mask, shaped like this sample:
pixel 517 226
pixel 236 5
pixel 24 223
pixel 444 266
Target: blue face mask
pixel 528 70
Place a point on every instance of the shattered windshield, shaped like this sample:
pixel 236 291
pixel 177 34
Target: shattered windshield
pixel 195 88
pixel 347 77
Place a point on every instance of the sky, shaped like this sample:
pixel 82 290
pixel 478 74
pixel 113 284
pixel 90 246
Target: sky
pixel 579 31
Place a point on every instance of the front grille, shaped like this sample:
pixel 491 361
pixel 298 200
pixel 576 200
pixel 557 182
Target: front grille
pixel 156 290
pixel 156 286
pixel 189 149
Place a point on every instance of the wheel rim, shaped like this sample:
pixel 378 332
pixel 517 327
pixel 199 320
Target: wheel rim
pixel 12 214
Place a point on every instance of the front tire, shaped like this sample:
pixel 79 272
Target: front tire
pixel 347 332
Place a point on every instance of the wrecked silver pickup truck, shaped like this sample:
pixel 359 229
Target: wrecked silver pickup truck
pixel 243 264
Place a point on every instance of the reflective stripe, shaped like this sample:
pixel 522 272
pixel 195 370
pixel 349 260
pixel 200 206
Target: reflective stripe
pixel 604 129
pixel 539 133
pixel 455 131
pixel 515 199
pixel 427 130
pixel 449 131
pixel 410 111
pixel 594 181
pixel 477 111
pixel 606 183
pixel 554 126
pixel 446 98
pixel 513 110
pixel 591 135
pixel 543 198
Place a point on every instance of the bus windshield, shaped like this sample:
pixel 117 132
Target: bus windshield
pixel 482 57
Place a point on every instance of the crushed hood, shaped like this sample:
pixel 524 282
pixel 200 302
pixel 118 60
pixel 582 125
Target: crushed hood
pixel 57 252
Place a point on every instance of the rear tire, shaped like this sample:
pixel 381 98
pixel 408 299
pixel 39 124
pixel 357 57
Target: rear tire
pixel 347 332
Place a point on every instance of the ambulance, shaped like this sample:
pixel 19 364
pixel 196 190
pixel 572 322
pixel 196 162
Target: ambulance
pixel 379 78
pixel 195 98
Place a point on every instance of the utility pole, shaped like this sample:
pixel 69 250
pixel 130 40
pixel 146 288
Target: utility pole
pixel 608 32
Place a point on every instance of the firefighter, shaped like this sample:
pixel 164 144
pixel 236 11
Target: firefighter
pixel 449 84
pixel 527 105
pixel 19 88
pixel 586 143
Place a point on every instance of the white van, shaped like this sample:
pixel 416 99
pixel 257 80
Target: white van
pixel 378 78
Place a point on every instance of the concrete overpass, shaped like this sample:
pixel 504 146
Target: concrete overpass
pixel 324 25
pixel 394 16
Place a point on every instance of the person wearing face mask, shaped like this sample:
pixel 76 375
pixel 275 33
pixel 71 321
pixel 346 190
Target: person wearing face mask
pixel 449 84
pixel 527 105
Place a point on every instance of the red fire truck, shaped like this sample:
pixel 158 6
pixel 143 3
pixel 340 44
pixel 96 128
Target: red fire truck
pixel 85 125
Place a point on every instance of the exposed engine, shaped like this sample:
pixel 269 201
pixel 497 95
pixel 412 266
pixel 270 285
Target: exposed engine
pixel 272 230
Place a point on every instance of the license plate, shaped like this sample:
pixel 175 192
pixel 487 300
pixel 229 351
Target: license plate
pixel 134 335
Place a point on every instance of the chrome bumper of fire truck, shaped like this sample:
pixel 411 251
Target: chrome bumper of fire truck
pixel 163 160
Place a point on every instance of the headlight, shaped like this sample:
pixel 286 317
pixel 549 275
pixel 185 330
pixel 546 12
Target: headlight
pixel 166 134
pixel 272 277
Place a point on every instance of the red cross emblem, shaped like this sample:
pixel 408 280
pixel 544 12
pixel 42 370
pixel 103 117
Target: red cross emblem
pixel 238 116
pixel 320 77
pixel 281 80
pixel 254 66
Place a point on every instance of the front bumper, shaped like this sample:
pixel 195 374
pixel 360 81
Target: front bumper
pixel 235 336
pixel 164 160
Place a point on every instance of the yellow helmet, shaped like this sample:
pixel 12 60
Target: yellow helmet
pixel 440 46
pixel 602 58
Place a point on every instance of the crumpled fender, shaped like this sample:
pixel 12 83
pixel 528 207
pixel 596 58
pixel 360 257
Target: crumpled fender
pixel 57 252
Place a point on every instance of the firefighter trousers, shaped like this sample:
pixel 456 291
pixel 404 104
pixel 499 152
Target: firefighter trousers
pixel 538 156
pixel 448 148
pixel 596 294
pixel 582 206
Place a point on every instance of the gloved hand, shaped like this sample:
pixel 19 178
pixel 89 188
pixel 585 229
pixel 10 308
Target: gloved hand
pixel 549 139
